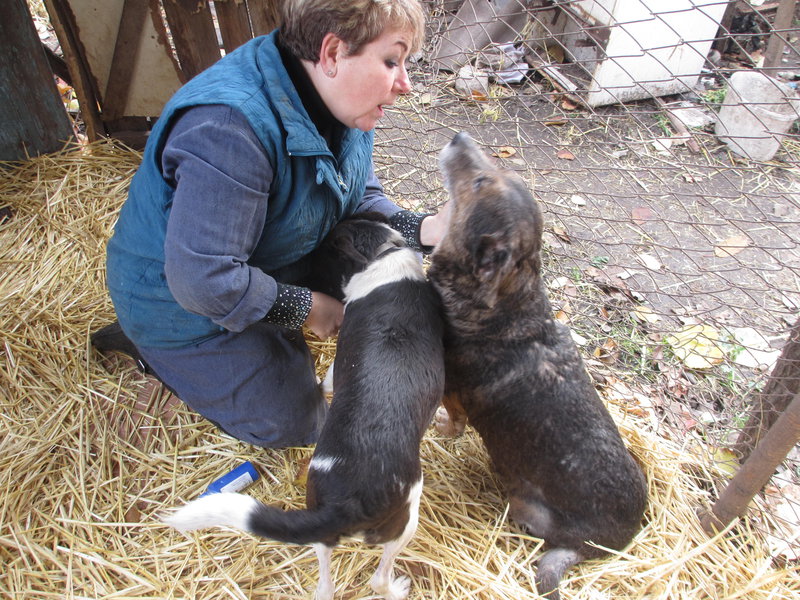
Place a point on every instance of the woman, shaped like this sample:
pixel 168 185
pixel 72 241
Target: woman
pixel 249 166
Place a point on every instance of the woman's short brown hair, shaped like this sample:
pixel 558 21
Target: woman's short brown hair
pixel 358 22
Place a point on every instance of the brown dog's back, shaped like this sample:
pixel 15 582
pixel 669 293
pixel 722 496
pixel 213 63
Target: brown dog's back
pixel 517 375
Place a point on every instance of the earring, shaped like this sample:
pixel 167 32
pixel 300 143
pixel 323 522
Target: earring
pixel 331 73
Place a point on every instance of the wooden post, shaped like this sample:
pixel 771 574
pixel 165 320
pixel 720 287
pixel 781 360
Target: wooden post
pixel 33 119
pixel 193 33
pixel 783 384
pixel 123 62
pixel 756 472
pixel 88 96
pixel 783 21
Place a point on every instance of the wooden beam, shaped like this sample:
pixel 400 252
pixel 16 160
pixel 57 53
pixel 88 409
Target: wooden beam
pixel 234 25
pixel 63 22
pixel 265 15
pixel 126 49
pixel 756 471
pixel 194 35
pixel 33 120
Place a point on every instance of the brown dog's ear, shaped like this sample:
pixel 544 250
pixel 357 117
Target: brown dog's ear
pixel 491 257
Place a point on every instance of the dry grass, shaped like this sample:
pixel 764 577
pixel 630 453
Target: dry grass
pixel 83 486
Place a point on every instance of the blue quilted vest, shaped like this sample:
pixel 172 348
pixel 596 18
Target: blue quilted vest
pixel 311 191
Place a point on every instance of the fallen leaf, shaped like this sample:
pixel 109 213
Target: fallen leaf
pixel 662 145
pixel 301 477
pixel 479 96
pixel 561 233
pixel 607 352
pixel 557 121
pixel 608 282
pixel 578 338
pixel 756 353
pixel 578 200
pixel 726 461
pixel 733 245
pixel 649 261
pixel 565 155
pixel 697 346
pixel 556 52
pixel 645 314
pixel 568 104
pixel 641 214
pixel 783 499
pixel 504 152
pixel 559 282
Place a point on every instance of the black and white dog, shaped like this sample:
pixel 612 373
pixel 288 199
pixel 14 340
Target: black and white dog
pixel 365 477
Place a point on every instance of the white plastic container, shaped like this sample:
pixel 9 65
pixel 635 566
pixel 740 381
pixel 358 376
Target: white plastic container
pixel 758 110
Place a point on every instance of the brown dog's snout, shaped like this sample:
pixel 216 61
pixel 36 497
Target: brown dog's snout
pixel 462 137
pixel 461 155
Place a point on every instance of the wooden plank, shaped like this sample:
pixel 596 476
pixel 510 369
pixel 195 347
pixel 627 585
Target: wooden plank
pixel 63 22
pixel 134 15
pixel 33 119
pixel 193 34
pixel 265 15
pixel 234 25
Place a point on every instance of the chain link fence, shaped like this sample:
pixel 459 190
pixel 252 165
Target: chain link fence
pixel 672 233
pixel 661 138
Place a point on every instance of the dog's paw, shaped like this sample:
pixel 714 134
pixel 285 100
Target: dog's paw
pixel 446 425
pixel 327 383
pixel 398 589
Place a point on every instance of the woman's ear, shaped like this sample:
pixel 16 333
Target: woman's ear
pixel 332 49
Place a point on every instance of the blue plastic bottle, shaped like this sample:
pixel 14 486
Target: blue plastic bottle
pixel 235 481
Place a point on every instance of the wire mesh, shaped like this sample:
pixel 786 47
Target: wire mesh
pixel 674 259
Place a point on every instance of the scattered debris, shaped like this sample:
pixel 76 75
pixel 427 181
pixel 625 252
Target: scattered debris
pixel 504 63
pixel 472 83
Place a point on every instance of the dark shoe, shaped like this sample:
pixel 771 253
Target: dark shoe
pixel 111 338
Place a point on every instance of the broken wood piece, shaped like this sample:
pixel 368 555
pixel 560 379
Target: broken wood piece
pixel 680 129
pixel 756 471
pixel 559 81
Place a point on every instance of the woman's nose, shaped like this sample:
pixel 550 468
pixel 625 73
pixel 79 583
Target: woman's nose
pixel 402 84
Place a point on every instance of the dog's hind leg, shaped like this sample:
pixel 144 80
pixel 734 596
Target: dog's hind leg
pixel 551 569
pixel 325 584
pixel 383 581
pixel 450 418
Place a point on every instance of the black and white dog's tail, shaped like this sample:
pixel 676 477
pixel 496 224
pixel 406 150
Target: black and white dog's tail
pixel 248 514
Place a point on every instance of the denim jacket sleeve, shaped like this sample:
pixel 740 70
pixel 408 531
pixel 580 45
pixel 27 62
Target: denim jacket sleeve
pixel 222 178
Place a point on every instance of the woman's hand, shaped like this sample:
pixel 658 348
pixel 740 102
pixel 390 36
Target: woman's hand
pixel 325 316
pixel 433 228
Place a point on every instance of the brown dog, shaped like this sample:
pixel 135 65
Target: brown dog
pixel 515 373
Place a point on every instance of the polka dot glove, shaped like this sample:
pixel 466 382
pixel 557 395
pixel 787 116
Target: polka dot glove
pixel 291 308
pixel 408 224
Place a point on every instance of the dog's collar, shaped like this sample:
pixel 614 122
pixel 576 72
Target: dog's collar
pixel 391 248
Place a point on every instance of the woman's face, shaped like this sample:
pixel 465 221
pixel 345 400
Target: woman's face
pixel 362 85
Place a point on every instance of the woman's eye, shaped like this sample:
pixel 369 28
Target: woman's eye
pixel 392 64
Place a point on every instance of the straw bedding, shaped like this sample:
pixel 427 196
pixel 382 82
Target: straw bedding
pixel 92 453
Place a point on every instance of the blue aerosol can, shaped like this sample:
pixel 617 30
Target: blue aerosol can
pixel 234 481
